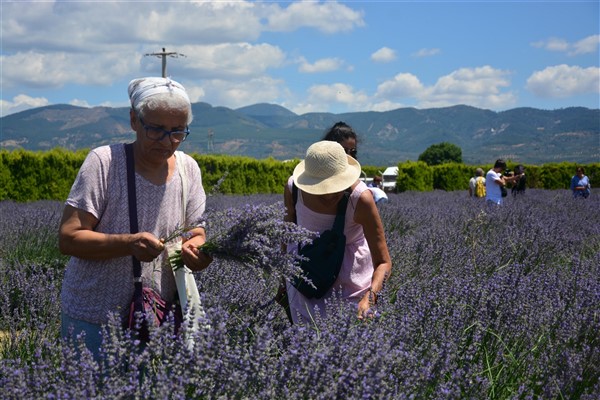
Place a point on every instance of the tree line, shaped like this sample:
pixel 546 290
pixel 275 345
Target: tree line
pixel 49 175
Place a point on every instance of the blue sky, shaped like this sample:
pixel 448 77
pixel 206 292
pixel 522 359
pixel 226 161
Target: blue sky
pixel 308 56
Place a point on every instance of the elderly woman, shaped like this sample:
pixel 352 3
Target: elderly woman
pixel 95 227
pixel 322 179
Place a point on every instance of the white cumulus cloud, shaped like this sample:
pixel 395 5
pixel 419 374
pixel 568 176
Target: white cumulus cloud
pixel 386 106
pixel 327 17
pixel 472 81
pixel 55 69
pixel 586 45
pixel 402 85
pixel 322 65
pixel 479 87
pixel 79 103
pixel 563 81
pixel 322 97
pixel 384 54
pixel 242 93
pixel 228 60
pixel 20 103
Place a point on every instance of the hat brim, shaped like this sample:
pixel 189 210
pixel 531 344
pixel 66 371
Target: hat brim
pixel 333 184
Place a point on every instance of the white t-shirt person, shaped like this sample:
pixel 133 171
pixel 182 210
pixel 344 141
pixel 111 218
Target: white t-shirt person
pixel 493 181
pixel 379 195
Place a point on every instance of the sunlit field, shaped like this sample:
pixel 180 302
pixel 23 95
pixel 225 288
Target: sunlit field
pixel 482 303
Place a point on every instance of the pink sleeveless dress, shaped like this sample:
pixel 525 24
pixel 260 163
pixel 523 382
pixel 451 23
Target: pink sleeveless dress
pixel 356 273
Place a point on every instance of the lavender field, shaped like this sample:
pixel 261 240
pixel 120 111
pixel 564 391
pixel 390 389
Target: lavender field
pixel 499 303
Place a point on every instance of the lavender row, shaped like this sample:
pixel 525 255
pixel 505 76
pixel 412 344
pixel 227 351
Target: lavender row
pixel 483 304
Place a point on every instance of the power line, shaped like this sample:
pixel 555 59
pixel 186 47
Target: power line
pixel 164 56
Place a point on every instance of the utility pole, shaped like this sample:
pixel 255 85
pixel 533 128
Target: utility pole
pixel 164 55
pixel 211 133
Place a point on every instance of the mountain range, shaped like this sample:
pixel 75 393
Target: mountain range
pixel 524 135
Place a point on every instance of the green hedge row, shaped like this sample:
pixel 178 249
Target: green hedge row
pixel 243 175
pixel 418 176
pixel 29 176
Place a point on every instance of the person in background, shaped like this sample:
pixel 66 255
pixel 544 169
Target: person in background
pixel 495 181
pixel 477 184
pixel 343 134
pixel 521 183
pixel 379 195
pixel 322 178
pixel 580 184
pixel 376 182
pixel 95 230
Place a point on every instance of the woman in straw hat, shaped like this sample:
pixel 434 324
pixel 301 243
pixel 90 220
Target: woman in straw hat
pixel 95 227
pixel 322 178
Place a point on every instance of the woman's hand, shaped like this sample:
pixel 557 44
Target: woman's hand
pixel 366 308
pixel 145 246
pixel 76 237
pixel 192 257
pixel 367 215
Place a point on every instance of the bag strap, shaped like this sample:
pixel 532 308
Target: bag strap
pixel 133 220
pixel 294 193
pixel 340 216
pixel 184 183
pixel 295 197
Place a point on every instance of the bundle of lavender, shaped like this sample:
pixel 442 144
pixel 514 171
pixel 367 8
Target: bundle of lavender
pixel 252 235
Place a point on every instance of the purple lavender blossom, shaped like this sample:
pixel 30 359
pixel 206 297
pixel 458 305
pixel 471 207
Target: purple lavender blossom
pixel 482 304
pixel 253 235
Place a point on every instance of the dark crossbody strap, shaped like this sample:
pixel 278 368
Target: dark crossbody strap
pixel 133 221
pixel 340 216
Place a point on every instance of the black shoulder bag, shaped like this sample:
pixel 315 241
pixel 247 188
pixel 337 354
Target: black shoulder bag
pixel 147 307
pixel 322 259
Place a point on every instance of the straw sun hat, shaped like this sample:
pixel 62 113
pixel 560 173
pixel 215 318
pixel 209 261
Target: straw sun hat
pixel 326 169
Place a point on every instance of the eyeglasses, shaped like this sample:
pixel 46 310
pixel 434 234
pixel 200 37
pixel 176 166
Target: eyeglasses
pixel 351 152
pixel 158 134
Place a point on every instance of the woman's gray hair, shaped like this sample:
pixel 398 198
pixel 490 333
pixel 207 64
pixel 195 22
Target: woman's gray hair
pixel 153 93
pixel 163 101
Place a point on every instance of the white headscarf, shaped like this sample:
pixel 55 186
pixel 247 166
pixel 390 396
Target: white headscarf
pixel 142 88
